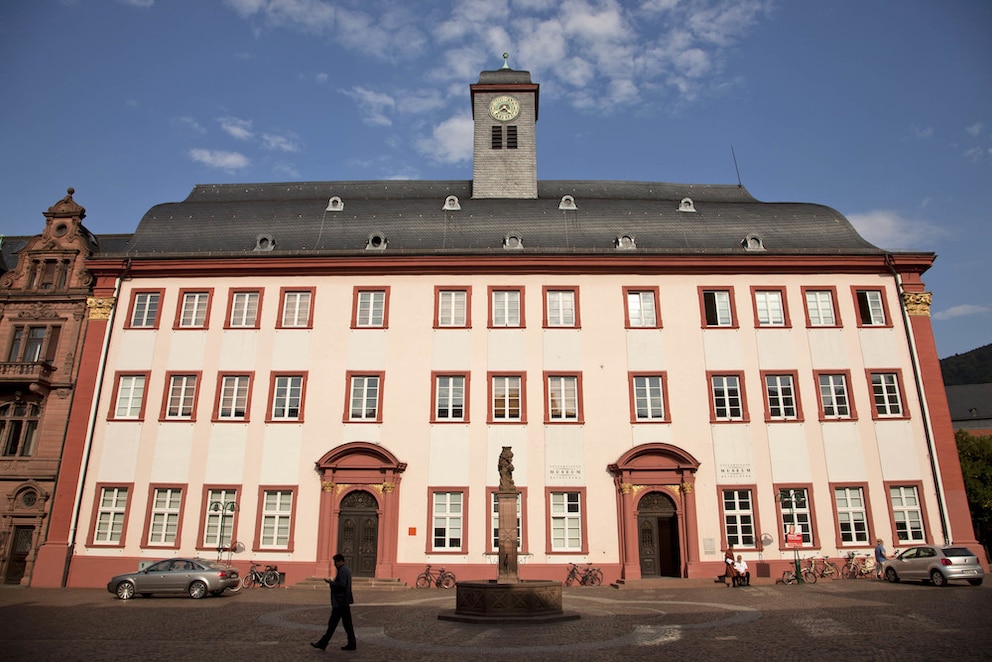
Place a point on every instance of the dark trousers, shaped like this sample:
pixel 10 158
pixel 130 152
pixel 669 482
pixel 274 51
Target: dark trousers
pixel 342 614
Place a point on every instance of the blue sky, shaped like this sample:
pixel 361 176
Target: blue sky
pixel 880 109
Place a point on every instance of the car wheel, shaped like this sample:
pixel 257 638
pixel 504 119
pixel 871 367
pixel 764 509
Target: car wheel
pixel 890 574
pixel 975 582
pixel 197 590
pixel 937 578
pixel 125 590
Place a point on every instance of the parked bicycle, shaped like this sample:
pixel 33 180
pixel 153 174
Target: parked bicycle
pixel 809 577
pixel 823 567
pixel 858 566
pixel 440 577
pixel 268 578
pixel 587 576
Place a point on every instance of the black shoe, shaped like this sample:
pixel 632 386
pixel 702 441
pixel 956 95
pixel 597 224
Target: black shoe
pixel 317 646
pixel 349 647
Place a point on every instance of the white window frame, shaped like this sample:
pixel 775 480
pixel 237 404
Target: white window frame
pixel 885 394
pixel 449 397
pixel 506 389
pixel 287 398
pixel 277 519
pixel 728 398
pixel 717 302
pixel 244 310
pixel 194 312
pixel 110 516
pixel 506 308
pixel 146 308
pixel 780 392
pixel 163 525
pixel 871 311
pixel 182 397
pixel 452 308
pixel 233 403
pixel 852 515
pixel 447 521
pixel 563 397
pixel 363 391
pixel 738 517
pixel 296 308
pixel 218 525
pixel 566 521
pixel 770 307
pixel 798 514
pixel 649 397
pixel 371 311
pixel 560 306
pixel 130 396
pixel 835 401
pixel 642 309
pixel 820 308
pixel 907 514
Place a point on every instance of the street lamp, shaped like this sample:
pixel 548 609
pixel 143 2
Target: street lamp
pixel 790 495
pixel 226 509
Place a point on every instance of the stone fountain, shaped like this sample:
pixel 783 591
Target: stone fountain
pixel 508 599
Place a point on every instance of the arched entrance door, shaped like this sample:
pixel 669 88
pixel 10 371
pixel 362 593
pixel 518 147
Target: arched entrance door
pixel 358 532
pixel 658 536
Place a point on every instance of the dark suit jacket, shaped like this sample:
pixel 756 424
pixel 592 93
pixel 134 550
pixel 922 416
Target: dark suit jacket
pixel 341 588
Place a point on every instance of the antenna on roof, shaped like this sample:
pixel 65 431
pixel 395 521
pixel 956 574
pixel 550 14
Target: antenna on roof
pixel 739 185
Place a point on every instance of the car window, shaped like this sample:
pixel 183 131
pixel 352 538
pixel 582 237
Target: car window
pixel 909 553
pixel 957 551
pixel 928 552
pixel 161 566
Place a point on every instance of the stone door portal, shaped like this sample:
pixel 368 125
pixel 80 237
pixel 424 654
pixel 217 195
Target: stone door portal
pixel 19 550
pixel 358 532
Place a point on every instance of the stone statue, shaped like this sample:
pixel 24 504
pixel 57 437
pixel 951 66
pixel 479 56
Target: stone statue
pixel 505 467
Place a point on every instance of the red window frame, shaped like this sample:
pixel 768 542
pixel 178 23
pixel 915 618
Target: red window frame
pixel 177 543
pixel 231 292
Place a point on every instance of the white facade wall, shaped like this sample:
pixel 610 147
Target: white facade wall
pixel 463 455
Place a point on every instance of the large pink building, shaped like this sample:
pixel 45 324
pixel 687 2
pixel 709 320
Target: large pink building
pixel 296 369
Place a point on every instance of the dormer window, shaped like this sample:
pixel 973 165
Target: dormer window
pixel 567 203
pixel 752 242
pixel 451 204
pixel 335 204
pixel 686 205
pixel 513 241
pixel 264 243
pixel 625 242
pixel 376 242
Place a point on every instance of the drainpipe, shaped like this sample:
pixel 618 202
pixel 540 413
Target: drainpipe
pixel 921 394
pixel 89 431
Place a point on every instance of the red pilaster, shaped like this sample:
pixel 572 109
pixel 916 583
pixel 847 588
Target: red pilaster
pixel 54 555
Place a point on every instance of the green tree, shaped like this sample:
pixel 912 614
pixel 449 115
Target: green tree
pixel 976 466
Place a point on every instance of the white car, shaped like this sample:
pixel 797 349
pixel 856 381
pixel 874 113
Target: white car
pixel 937 565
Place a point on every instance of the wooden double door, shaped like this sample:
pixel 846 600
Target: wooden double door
pixel 358 532
pixel 658 536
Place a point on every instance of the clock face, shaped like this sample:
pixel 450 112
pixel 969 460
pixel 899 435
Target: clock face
pixel 504 108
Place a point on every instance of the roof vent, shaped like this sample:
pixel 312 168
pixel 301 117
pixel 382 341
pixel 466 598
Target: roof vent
pixel 625 242
pixel 377 242
pixel 686 205
pixel 567 203
pixel 264 243
pixel 513 241
pixel 451 204
pixel 335 204
pixel 752 242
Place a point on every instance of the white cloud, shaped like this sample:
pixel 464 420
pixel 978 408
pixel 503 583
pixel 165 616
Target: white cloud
pixel 236 127
pixel 188 124
pixel 975 129
pixel 888 230
pixel 219 159
pixel 280 143
pixel 373 104
pixel 964 310
pixel 450 141
pixel 923 133
pixel 143 4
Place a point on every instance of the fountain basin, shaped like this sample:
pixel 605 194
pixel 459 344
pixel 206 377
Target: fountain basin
pixel 534 601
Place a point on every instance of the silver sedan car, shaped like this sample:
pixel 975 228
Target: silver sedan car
pixel 195 577
pixel 935 564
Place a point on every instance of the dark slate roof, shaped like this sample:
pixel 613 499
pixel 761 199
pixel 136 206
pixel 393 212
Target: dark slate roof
pixel 107 243
pixel 228 219
pixel 964 398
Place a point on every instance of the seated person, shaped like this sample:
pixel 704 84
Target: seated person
pixel 742 574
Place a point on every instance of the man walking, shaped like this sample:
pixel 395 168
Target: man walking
pixel 341 601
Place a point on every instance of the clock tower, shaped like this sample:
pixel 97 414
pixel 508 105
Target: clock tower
pixel 504 109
